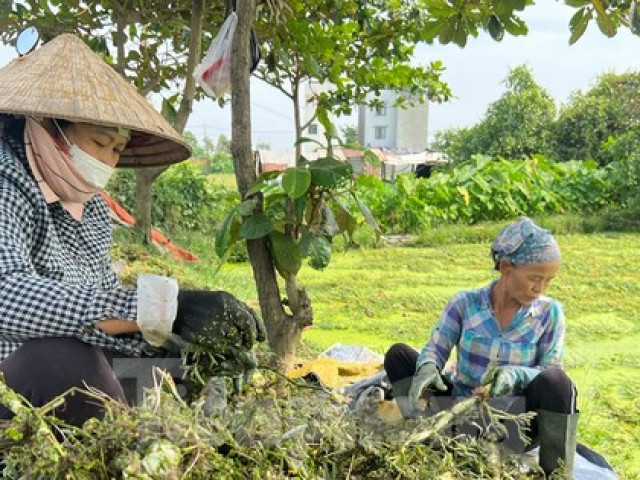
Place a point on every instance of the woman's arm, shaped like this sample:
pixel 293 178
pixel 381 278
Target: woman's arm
pixel 444 336
pixel 115 326
pixel 551 344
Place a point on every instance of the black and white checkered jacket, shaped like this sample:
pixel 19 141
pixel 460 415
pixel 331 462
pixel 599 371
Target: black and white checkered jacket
pixel 56 278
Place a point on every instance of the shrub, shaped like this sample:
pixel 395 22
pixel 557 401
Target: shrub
pixel 484 189
pixel 183 199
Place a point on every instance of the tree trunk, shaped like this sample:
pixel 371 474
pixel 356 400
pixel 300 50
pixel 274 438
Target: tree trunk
pixel 283 330
pixel 144 180
pixel 146 176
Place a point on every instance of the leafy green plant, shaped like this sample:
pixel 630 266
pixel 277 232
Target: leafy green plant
pixel 277 430
pixel 484 189
pixel 304 207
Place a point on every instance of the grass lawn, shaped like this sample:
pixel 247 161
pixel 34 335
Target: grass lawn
pixel 376 297
pixel 225 179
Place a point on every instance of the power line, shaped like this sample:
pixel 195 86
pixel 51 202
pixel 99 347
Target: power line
pixel 204 127
pixel 270 110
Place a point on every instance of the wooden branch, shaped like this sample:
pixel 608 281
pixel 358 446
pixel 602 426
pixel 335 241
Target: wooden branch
pixel 195 42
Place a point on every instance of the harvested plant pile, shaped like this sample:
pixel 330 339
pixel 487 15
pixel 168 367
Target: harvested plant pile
pixel 275 430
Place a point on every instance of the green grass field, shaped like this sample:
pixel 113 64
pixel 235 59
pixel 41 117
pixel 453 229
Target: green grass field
pixel 375 297
pixel 225 179
pixel 378 297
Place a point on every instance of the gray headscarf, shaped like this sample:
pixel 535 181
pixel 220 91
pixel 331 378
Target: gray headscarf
pixel 523 242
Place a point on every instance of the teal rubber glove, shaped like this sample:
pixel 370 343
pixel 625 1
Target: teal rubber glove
pixel 426 376
pixel 511 380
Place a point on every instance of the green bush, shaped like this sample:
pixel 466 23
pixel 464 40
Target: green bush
pixel 183 198
pixel 483 189
pixel 625 170
pixel 589 120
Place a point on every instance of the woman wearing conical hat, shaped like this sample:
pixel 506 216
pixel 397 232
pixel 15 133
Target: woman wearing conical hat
pixel 67 119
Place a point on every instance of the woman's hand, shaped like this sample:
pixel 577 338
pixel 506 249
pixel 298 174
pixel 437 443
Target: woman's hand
pixel 512 380
pixel 426 376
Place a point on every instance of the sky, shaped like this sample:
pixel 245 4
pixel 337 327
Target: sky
pixel 474 73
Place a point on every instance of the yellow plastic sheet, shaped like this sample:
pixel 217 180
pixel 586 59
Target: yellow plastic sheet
pixel 334 373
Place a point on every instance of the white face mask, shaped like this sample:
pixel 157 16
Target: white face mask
pixel 92 169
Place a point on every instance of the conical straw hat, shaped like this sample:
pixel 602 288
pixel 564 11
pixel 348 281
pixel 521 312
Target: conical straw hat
pixel 64 79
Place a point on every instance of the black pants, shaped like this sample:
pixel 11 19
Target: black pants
pixel 550 390
pixel 42 369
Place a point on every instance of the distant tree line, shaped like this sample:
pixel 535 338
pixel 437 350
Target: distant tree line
pixel 600 124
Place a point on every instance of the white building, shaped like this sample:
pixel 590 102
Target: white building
pixel 398 134
pixel 401 130
pixel 314 131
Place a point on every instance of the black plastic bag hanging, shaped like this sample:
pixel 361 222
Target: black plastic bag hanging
pixel 254 44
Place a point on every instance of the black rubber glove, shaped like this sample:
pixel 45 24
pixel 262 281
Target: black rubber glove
pixel 220 324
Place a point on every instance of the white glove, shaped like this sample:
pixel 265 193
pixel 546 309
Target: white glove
pixel 157 307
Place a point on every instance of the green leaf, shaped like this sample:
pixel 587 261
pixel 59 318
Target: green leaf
pixel 460 35
pixel 496 30
pixel 325 121
pixel 431 30
pixel 168 111
pixel 256 226
pixel 447 30
pixel 368 216
pixel 505 8
pixel 515 25
pixel 263 180
pixel 245 208
pixel 634 18
pixel 305 241
pixel 296 181
pixel 577 3
pixel 346 222
pixel 223 234
pixel 299 206
pixel 605 23
pixel 580 26
pixel 14 434
pixel 285 252
pixel 576 17
pixel 319 252
pixel 330 227
pixel 329 172
pixel 482 183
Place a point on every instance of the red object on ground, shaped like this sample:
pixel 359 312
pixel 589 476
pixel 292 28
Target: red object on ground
pixel 119 214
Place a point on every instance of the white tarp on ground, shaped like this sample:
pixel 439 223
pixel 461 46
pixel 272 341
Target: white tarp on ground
pixel 352 353
pixel 583 469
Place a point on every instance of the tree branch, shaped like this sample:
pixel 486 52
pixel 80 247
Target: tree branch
pixel 195 42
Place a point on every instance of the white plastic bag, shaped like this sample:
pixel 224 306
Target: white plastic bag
pixel 214 71
pixel 157 307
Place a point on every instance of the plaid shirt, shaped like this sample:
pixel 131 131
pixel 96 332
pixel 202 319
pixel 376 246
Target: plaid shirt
pixel 534 338
pixel 56 278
